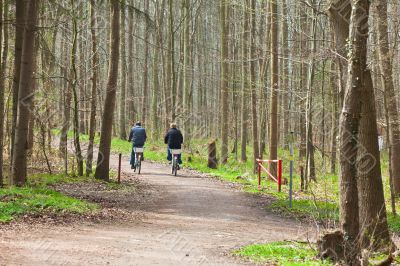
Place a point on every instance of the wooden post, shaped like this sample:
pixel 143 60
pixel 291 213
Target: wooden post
pixel 119 168
pixel 212 155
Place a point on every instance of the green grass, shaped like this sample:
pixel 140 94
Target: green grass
pixel 282 253
pixel 37 197
pixel 319 210
pixel 16 202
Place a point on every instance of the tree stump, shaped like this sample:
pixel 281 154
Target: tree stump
pixel 330 246
pixel 212 155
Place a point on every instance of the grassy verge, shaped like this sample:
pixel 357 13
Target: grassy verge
pixel 37 198
pixel 281 253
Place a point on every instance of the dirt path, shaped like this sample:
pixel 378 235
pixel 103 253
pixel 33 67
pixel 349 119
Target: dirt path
pixel 191 220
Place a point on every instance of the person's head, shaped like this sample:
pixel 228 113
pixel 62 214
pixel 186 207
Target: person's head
pixel 173 125
pixel 138 124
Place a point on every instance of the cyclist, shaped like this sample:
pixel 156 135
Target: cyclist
pixel 174 139
pixel 138 137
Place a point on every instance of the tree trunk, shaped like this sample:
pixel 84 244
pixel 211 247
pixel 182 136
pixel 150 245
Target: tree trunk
pixel 122 95
pixel 103 159
pixel 285 70
pixel 334 92
pixel 387 78
pixel 349 131
pixel 131 86
pixel 224 81
pixel 3 27
pixel 93 100
pixel 310 166
pixel 73 84
pixel 20 21
pixel 156 81
pixel 186 70
pixel 146 67
pixel 19 165
pixel 339 13
pixel 245 86
pixel 372 210
pixel 273 141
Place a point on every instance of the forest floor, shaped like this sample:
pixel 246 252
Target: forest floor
pixel 190 219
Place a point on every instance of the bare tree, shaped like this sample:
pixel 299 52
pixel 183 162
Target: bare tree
pixel 103 158
pixel 25 97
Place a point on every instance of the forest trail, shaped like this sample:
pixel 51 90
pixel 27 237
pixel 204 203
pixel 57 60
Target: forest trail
pixel 192 220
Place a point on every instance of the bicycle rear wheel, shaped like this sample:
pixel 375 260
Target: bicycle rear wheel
pixel 176 167
pixel 139 164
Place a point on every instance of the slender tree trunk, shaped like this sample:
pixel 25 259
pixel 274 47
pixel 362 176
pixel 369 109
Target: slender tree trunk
pixel 273 142
pixel 20 21
pixel 2 79
pixel 131 76
pixel 334 131
pixel 387 77
pixel 245 84
pixel 156 69
pixel 310 167
pixel 224 80
pixel 73 84
pixel 171 93
pixel 19 165
pixel 339 13
pixel 66 110
pixel 285 69
pixel 103 159
pixel 93 99
pixel 186 70
pixel 146 68
pixel 122 95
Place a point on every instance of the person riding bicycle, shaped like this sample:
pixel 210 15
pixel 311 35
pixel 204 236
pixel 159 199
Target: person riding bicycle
pixel 138 137
pixel 174 139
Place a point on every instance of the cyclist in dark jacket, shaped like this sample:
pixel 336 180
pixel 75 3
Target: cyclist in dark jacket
pixel 174 139
pixel 138 137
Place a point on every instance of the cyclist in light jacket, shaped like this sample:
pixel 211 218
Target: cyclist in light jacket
pixel 138 137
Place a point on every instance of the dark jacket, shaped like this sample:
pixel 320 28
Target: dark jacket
pixel 138 136
pixel 174 138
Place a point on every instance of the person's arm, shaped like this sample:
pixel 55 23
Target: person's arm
pixel 145 135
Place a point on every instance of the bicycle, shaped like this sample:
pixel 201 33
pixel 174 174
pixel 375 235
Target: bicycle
pixel 175 165
pixel 138 159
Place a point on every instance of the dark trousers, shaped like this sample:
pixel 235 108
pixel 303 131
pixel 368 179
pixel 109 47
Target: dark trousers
pixel 132 161
pixel 169 156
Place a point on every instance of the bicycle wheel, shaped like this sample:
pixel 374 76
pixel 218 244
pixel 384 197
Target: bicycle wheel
pixel 176 167
pixel 172 165
pixel 139 164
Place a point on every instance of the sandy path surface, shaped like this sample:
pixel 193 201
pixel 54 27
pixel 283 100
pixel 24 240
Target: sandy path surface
pixel 191 220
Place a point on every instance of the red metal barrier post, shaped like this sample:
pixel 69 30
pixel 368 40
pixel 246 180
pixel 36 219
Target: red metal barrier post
pixel 279 175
